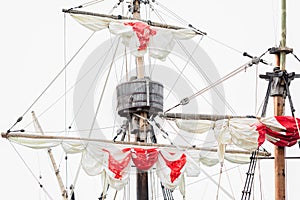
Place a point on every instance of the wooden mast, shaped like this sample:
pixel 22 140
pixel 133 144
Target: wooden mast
pixel 279 109
pixel 142 177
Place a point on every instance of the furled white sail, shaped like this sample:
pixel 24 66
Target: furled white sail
pixel 138 36
pixel 115 160
pixel 246 133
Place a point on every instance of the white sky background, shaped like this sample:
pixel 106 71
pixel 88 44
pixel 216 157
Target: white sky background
pixel 32 53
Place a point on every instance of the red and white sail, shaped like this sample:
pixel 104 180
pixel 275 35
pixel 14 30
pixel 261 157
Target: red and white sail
pixel 172 163
pixel 138 36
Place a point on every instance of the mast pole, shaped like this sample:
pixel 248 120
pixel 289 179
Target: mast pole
pixel 279 109
pixel 142 177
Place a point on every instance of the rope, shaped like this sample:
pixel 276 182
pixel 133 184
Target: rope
pixel 92 83
pixel 173 13
pixel 260 181
pixel 54 79
pixel 31 172
pixel 76 177
pixel 90 3
pixel 256 88
pixel 219 182
pixel 102 94
pixel 208 79
pixel 296 57
pixel 231 74
pixel 230 185
pixel 186 64
pixel 65 62
pixel 225 45
pixel 69 90
pixel 255 60
pixel 275 22
pixel 194 87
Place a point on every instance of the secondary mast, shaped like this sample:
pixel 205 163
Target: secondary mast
pixel 279 109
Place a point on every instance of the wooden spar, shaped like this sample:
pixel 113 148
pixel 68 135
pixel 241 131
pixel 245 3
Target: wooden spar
pixel 202 116
pixel 49 137
pixel 156 24
pixel 279 109
pixel 56 170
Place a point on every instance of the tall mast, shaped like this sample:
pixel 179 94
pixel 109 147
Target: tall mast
pixel 142 177
pixel 279 109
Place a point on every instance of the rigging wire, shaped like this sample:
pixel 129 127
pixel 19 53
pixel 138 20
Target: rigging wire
pixel 295 56
pixel 102 94
pixel 65 62
pixel 31 172
pixel 190 82
pixel 255 60
pixel 105 55
pixel 90 3
pixel 256 88
pixel 221 80
pixel 184 22
pixel 208 79
pixel 225 45
pixel 53 80
pixel 275 22
pixel 260 180
pixel 180 19
pixel 186 64
pixel 219 181
pixel 76 177
pixel 72 87
pixel 65 91
pixel 230 185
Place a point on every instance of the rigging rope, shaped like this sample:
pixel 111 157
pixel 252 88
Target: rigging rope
pixel 295 56
pixel 31 172
pixel 71 88
pixel 255 60
pixel 53 80
pixel 102 94
pixel 186 64
pixel 194 87
pixel 219 181
pixel 173 13
pixel 225 45
pixel 93 82
pixel 208 79
pixel 230 185
pixel 187 99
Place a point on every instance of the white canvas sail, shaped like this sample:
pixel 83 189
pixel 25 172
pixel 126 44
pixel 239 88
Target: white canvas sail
pixel 138 36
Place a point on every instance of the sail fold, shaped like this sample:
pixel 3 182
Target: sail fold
pixel 115 161
pixel 246 133
pixel 138 36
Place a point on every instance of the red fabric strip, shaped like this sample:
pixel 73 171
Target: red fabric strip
pixel 143 32
pixel 144 159
pixel 175 166
pixel 118 166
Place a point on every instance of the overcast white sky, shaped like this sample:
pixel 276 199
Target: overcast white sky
pixel 32 53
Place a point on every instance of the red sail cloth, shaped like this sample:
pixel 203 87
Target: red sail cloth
pixel 143 32
pixel 118 166
pixel 175 166
pixel 287 137
pixel 144 158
